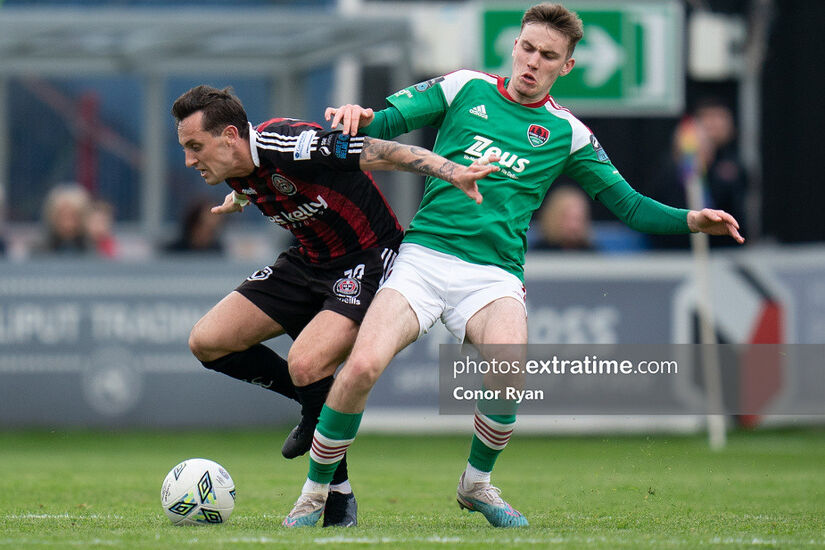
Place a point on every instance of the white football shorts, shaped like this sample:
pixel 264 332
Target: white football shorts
pixel 439 285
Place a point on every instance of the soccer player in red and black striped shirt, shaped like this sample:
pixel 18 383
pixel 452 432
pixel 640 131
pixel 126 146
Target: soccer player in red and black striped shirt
pixel 311 182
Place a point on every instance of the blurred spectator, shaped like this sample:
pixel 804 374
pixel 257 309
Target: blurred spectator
pixel 199 230
pixel 98 225
pixel 725 178
pixel 564 221
pixel 64 219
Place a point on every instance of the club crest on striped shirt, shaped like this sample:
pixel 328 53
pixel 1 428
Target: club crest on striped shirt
pixel 283 185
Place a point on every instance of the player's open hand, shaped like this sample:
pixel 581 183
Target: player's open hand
pixel 714 222
pixel 229 205
pixel 466 177
pixel 350 116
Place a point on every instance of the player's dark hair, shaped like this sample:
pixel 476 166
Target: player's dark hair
pixel 558 17
pixel 221 108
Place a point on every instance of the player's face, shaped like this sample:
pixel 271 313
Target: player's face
pixel 539 58
pixel 211 155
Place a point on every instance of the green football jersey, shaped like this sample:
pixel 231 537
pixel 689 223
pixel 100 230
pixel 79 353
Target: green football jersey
pixel 475 116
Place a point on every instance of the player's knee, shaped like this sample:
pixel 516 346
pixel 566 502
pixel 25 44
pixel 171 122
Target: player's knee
pixel 361 373
pixel 305 369
pixel 200 346
pixel 196 346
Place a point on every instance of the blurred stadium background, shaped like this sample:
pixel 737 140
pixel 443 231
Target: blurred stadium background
pixel 85 92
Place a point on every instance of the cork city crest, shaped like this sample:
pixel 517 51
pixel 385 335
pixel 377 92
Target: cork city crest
pixel 537 135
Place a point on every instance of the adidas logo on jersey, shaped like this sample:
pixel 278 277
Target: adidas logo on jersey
pixel 479 110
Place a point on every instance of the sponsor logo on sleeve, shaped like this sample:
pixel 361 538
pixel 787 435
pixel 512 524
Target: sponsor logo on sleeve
pixel 600 154
pixel 423 86
pixel 303 146
pixel 325 144
pixel 342 146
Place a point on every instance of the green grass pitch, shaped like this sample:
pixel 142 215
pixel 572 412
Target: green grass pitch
pixel 71 489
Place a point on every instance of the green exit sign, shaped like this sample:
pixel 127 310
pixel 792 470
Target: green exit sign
pixel 629 62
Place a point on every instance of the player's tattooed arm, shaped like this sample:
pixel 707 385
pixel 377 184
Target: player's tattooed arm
pixel 379 154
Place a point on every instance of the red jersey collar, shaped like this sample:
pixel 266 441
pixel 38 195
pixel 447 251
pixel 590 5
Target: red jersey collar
pixel 502 88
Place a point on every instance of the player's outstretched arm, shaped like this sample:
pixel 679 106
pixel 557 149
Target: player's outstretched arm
pixel 233 202
pixel 650 216
pixel 350 116
pixel 714 222
pixel 379 154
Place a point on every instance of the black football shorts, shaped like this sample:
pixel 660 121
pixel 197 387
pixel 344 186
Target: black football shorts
pixel 293 290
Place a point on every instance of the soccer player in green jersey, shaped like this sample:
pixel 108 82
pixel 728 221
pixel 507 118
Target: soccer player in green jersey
pixel 463 262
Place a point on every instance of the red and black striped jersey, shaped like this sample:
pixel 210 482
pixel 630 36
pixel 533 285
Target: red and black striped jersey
pixel 308 181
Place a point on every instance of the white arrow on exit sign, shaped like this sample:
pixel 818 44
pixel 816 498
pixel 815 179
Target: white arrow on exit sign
pixel 599 57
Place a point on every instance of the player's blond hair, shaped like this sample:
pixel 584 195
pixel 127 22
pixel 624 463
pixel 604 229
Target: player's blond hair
pixel 558 17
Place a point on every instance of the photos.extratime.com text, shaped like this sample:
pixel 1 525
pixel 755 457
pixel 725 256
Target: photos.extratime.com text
pixel 586 365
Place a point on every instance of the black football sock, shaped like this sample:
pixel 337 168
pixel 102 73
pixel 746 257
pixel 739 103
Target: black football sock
pixel 341 475
pixel 257 365
pixel 313 396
